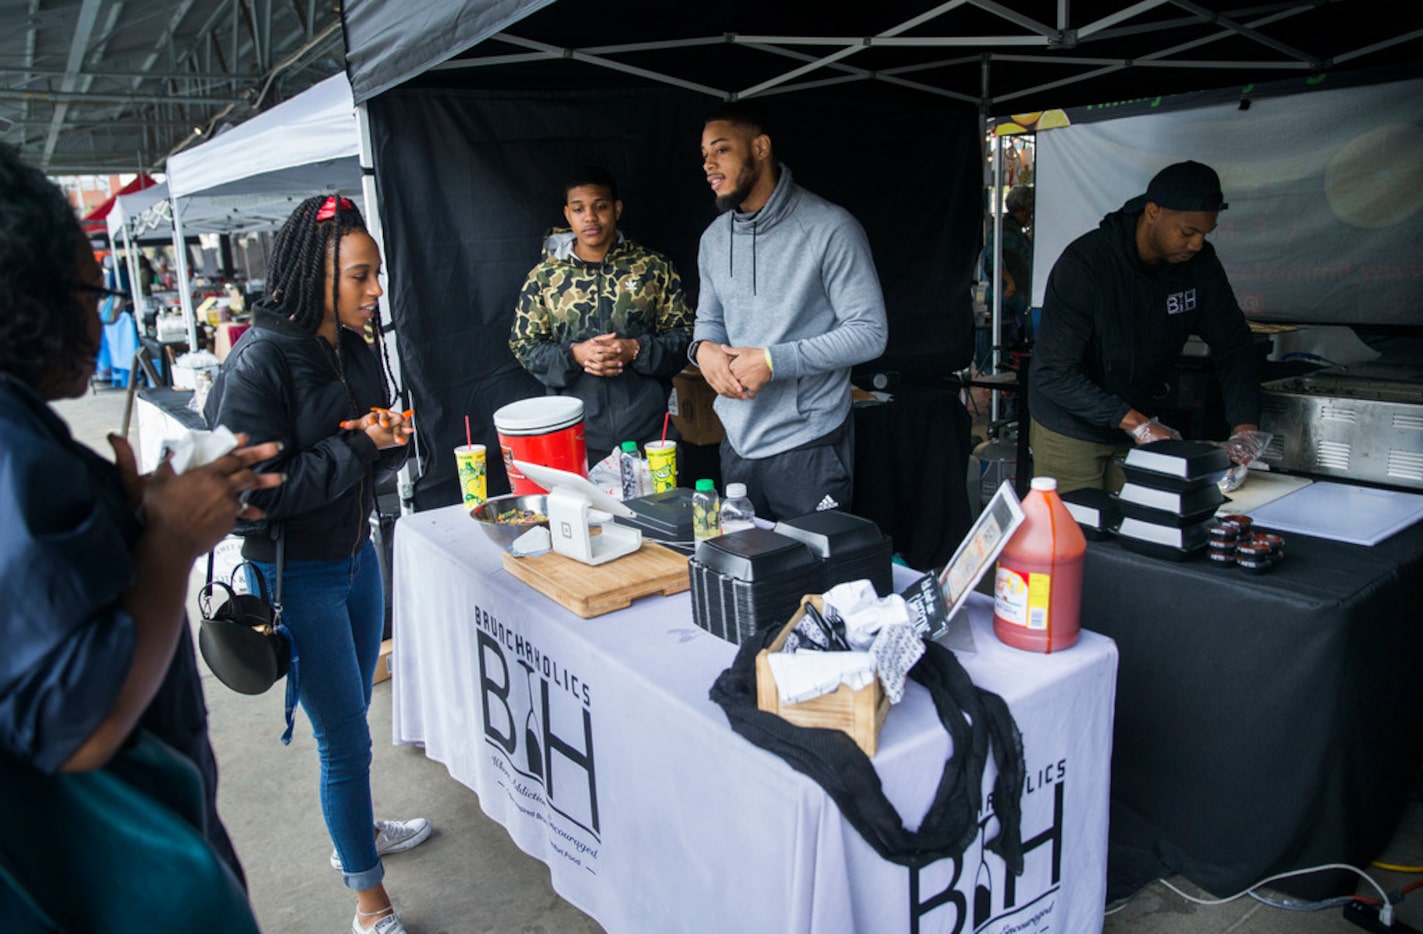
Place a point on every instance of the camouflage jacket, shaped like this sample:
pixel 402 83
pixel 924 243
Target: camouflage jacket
pixel 635 292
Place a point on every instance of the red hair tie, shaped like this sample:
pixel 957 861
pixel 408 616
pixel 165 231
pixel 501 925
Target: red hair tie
pixel 328 208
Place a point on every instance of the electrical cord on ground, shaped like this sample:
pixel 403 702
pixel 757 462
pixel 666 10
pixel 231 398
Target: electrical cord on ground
pixel 1394 867
pixel 1288 905
pixel 1385 907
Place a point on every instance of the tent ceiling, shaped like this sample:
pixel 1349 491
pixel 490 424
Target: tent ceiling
pixel 102 86
pixel 118 85
pixel 1006 55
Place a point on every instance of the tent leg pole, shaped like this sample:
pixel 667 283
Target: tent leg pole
pixel 185 293
pixel 405 479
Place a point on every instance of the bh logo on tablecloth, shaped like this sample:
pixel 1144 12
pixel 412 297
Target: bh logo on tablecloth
pixel 538 722
pixel 978 893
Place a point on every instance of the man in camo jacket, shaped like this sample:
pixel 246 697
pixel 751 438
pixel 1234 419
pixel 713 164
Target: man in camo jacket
pixel 604 319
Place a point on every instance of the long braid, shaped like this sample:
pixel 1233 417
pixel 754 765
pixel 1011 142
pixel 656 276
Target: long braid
pixel 334 233
pixel 387 372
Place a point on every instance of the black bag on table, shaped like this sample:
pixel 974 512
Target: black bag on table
pixel 242 639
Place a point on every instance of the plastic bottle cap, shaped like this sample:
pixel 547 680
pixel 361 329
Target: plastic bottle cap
pixel 630 447
pixel 704 486
pixel 1044 483
pixel 734 490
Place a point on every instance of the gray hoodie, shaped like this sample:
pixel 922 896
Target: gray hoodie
pixel 795 277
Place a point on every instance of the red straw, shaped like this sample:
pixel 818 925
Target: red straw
pixel 468 441
pixel 665 417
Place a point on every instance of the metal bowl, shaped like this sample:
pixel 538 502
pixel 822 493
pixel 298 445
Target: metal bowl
pixel 504 533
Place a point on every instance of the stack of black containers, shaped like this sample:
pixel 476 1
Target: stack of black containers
pixel 1171 491
pixel 755 578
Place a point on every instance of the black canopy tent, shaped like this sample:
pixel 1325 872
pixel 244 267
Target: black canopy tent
pixel 474 115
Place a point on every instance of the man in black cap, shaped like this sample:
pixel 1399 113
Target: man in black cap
pixel 1121 301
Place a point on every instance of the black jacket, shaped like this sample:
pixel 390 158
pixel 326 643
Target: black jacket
pixel 1112 327
pixel 279 384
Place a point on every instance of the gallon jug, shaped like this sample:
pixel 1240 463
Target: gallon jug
pixel 1037 595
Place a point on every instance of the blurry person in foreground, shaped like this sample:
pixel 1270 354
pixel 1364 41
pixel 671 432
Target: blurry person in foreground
pixel 108 818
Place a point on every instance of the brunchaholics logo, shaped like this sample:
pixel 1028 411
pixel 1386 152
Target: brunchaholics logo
pixel 538 723
pixel 989 897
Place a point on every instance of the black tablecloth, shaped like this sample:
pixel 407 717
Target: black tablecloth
pixel 1264 723
pixel 175 403
pixel 911 472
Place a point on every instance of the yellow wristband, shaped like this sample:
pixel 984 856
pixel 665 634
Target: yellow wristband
pixel 769 368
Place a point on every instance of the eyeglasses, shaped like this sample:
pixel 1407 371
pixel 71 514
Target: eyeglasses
pixel 98 290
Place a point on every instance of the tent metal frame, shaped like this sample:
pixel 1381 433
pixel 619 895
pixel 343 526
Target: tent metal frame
pixel 1051 38
pixel 111 86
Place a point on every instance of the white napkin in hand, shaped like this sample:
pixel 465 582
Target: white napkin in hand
pixel 805 675
pixel 195 448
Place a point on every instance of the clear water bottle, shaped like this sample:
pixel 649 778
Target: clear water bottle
pixel 630 470
pixel 737 513
pixel 706 511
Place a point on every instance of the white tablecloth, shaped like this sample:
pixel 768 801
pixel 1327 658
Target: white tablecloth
pixel 594 743
pixel 154 427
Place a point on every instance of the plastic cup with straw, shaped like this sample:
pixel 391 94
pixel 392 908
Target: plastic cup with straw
pixel 662 460
pixel 472 466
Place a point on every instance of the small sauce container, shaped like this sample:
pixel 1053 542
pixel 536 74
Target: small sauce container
pixel 1222 559
pixel 1275 543
pixel 1253 557
pixel 1224 533
pixel 1241 520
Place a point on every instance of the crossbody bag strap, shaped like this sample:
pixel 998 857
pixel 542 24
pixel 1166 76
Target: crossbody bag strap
pixel 281 566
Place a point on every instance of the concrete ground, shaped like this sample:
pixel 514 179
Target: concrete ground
pixel 469 878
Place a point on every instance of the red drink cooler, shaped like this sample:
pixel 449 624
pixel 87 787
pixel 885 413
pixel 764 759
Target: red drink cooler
pixel 546 430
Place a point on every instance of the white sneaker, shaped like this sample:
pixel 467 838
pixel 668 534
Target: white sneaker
pixel 387 924
pixel 395 836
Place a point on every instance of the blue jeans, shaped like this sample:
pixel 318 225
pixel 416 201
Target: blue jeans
pixel 335 614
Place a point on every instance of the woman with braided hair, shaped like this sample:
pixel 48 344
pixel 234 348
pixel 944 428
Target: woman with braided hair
pixel 304 375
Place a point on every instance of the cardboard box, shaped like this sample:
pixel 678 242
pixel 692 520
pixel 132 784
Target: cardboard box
pixel 225 336
pixel 691 408
pixel 858 713
pixel 383 663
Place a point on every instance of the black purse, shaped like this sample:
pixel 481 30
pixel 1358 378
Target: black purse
pixel 243 640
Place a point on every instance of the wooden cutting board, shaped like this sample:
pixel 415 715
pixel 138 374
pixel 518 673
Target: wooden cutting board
pixel 1261 487
pixel 592 590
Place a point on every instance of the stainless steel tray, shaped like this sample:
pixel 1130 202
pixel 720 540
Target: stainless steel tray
pixel 1359 423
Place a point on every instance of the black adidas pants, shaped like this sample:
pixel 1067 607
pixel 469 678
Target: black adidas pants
pixel 817 475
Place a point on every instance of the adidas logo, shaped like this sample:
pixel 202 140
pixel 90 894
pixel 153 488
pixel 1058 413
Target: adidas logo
pixel 827 503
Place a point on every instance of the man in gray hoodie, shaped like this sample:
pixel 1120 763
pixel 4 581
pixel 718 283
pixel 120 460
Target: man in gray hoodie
pixel 790 301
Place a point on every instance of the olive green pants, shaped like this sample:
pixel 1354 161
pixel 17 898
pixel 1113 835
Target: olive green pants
pixel 1077 464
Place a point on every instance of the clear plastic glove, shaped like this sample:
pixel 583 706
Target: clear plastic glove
pixel 1245 446
pixel 1234 478
pixel 1153 430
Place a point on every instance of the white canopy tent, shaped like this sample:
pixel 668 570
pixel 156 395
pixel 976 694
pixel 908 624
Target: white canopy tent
pixel 302 145
pixel 143 216
pixel 252 176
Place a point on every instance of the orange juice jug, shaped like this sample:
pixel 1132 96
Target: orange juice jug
pixel 1037 594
